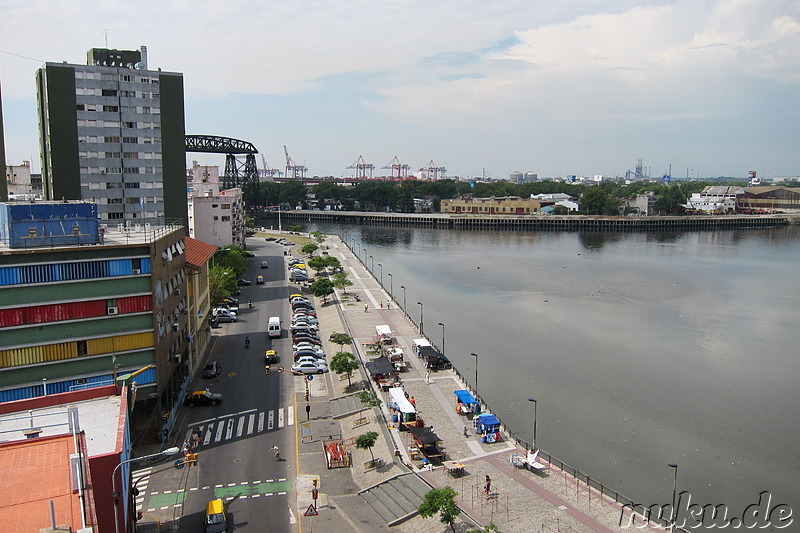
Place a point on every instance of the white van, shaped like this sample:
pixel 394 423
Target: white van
pixel 274 326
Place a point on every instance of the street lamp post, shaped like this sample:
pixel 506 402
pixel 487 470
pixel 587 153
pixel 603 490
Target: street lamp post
pixel 674 513
pixel 534 421
pixel 365 257
pixel 421 316
pixel 391 285
pixel 115 494
pixel 404 298
pixel 372 261
pixel 476 371
pixel 381 270
pixel 359 249
pixel 442 337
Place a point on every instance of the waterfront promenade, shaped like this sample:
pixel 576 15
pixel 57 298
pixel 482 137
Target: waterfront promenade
pixel 520 500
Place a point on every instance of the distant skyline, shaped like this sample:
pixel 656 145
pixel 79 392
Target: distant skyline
pixel 710 87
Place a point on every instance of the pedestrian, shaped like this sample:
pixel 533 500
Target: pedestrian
pixel 219 372
pixel 278 454
pixel 428 376
pixel 196 438
pixel 381 304
pixel 487 489
pixel 412 401
pixel 366 307
pixel 388 305
pixel 308 412
pixel 466 432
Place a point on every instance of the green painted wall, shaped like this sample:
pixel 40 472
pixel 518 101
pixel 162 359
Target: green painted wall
pixel 77 290
pixel 62 168
pixel 173 147
pixel 56 332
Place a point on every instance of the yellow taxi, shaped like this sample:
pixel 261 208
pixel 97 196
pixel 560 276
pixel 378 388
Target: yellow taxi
pixel 270 357
pixel 216 518
pixel 259 280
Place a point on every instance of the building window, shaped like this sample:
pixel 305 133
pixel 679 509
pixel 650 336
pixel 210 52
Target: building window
pixel 114 201
pixel 81 345
pixel 112 139
pixel 109 92
pixel 226 219
pixel 130 140
pixel 112 155
pixel 226 206
pixel 132 185
pixel 216 218
pixel 110 109
pixel 130 125
pixel 114 216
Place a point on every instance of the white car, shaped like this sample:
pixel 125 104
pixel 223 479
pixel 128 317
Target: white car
pixel 310 366
pixel 303 325
pixel 300 346
pixel 309 352
pixel 305 318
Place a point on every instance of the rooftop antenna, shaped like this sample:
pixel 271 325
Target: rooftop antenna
pixel 105 33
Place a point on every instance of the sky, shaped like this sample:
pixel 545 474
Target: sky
pixel 483 88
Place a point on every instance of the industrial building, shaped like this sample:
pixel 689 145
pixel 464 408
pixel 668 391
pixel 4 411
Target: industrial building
pixel 112 132
pixel 82 302
pixel 506 205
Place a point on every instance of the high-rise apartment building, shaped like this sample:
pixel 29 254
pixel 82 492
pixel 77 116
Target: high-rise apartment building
pixel 113 132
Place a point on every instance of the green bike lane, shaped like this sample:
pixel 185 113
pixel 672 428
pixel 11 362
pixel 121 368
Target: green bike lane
pixel 226 492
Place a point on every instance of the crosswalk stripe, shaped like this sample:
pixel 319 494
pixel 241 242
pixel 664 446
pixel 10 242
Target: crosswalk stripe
pixel 207 437
pixel 270 420
pixel 261 421
pixel 250 421
pixel 229 429
pixel 240 426
pixel 220 428
pixel 290 415
pixel 280 418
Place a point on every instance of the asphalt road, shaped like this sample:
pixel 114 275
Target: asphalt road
pixel 257 413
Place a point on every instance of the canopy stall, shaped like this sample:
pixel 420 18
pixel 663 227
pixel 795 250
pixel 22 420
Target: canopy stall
pixel 380 367
pixel 419 344
pixel 427 442
pixel 466 404
pixel 405 412
pixel 433 359
pixel 489 426
pixel 383 331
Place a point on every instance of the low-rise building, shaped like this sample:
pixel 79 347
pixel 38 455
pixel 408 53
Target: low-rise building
pixel 215 216
pixel 81 303
pixel 504 205
pixel 715 199
pixel 769 200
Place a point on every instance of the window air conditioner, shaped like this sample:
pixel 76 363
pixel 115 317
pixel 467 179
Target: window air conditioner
pixel 113 310
pixel 137 270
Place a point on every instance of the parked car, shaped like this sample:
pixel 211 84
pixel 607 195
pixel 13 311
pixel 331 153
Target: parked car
pixel 306 337
pixel 307 346
pixel 249 254
pixel 242 281
pixel 310 367
pixel 270 239
pixel 309 354
pixel 294 261
pixel 203 397
pixel 308 319
pixel 210 370
pixel 302 305
pixel 270 357
pixel 226 308
pixel 224 316
pixel 301 326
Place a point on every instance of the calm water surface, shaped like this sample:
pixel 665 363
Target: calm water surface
pixel 641 349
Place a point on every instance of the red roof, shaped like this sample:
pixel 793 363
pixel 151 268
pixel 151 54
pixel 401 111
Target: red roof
pixel 32 473
pixel 198 252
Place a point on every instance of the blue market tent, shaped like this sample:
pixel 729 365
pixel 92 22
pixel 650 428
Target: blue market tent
pixel 465 397
pixel 489 426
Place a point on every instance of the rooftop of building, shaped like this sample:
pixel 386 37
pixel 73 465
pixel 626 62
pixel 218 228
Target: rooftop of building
pixel 98 416
pixel 33 473
pixel 198 252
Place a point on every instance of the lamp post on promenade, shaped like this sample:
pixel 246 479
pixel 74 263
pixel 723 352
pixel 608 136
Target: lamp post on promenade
pixel 420 317
pixel 442 337
pixel 380 266
pixel 404 298
pixel 115 495
pixel 674 512
pixel 476 371
pixel 372 262
pixel 391 285
pixel 534 421
pixel 365 256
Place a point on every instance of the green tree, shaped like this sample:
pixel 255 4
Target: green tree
pixel 341 339
pixel 221 283
pixel 309 248
pixel 317 263
pixel 322 288
pixel 440 501
pixel 318 236
pixel 333 263
pixel 232 259
pixel 366 442
pixel 341 282
pixel 595 201
pixel 369 398
pixel 344 363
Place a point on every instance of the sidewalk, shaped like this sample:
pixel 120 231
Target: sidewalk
pixel 521 501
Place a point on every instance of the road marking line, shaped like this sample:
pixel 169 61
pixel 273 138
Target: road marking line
pixel 271 421
pixel 240 427
pixel 231 484
pixel 250 421
pixel 220 428
pixel 229 429
pixel 244 483
pixel 193 488
pixel 261 421
pixel 290 415
pixel 280 418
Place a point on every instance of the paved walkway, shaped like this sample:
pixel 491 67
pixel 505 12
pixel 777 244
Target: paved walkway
pixel 521 501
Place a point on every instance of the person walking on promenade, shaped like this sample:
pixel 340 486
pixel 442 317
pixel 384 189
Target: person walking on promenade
pixel 366 307
pixel 388 305
pixel 487 489
pixel 278 454
pixel 466 432
pixel 381 304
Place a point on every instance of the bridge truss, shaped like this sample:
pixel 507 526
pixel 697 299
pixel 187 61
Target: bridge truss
pixel 242 174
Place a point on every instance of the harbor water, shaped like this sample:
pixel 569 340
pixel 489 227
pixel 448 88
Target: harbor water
pixel 641 349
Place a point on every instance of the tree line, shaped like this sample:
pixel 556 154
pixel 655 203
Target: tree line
pixel 602 199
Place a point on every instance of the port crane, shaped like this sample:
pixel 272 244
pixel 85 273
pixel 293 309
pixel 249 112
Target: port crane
pixel 433 172
pixel 399 170
pixel 269 172
pixel 363 169
pixel 293 170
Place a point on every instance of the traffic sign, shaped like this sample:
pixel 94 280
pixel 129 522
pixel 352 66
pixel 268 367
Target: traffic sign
pixel 180 463
pixel 309 377
pixel 311 511
pixel 280 369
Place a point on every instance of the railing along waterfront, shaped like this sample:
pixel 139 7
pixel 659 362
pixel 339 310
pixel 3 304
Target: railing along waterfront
pixel 636 511
pixel 536 222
